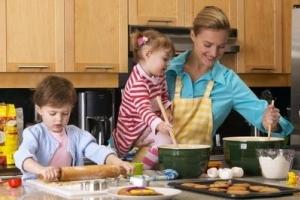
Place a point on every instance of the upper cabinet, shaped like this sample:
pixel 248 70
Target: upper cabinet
pixel 31 36
pixel 260 38
pixel 63 36
pixel 97 34
pixel 157 12
pixel 194 6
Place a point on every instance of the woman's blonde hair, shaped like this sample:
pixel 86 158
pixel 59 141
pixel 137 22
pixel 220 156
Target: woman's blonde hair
pixel 210 17
pixel 154 39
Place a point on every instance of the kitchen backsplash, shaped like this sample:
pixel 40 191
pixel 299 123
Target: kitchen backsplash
pixel 234 124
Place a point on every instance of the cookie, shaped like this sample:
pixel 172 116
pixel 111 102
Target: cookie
pixel 219 185
pixel 200 186
pixel 237 188
pixel 217 189
pixel 256 188
pixel 269 190
pixel 238 192
pixel 189 184
pixel 246 185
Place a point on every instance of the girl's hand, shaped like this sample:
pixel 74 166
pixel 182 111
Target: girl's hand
pixel 143 141
pixel 164 128
pixel 50 173
pixel 271 118
pixel 169 113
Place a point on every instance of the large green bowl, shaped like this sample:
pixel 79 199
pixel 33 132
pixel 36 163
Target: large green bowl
pixel 241 151
pixel 188 160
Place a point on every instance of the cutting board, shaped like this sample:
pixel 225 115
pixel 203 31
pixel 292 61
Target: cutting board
pixel 69 189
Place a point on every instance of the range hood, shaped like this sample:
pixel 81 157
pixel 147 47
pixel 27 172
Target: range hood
pixel 180 37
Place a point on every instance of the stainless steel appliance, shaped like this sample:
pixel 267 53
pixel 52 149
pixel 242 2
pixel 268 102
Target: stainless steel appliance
pixel 96 113
pixel 295 86
pixel 295 73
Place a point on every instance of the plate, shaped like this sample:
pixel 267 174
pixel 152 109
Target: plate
pixel 167 193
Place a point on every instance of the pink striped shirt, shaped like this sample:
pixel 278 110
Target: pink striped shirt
pixel 139 109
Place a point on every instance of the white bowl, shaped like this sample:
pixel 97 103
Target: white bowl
pixel 275 163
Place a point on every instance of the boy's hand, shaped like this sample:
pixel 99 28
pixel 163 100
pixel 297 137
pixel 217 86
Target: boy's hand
pixel 112 159
pixel 50 173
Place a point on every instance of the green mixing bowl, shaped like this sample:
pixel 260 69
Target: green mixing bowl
pixel 189 160
pixel 241 151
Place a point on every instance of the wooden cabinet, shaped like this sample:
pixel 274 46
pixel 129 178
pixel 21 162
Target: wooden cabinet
pixel 31 36
pixel 259 26
pixel 194 6
pixel 99 32
pixel 83 40
pixel 157 12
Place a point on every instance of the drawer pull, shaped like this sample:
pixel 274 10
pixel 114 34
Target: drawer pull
pixel 159 21
pixel 262 69
pixel 98 67
pixel 33 66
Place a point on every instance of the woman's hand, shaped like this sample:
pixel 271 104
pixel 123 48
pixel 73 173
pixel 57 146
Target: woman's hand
pixel 164 128
pixel 271 118
pixel 50 173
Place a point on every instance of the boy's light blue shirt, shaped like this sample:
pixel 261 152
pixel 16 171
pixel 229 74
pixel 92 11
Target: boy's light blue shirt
pixel 229 92
pixel 39 144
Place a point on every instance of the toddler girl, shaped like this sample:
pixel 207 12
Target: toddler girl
pixel 139 121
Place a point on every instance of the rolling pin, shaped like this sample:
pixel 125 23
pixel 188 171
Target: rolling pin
pixel 90 172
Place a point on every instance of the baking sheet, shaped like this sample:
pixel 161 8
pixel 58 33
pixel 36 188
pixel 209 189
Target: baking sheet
pixel 283 190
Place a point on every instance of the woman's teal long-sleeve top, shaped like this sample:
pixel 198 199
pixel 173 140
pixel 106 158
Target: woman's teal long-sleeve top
pixel 229 92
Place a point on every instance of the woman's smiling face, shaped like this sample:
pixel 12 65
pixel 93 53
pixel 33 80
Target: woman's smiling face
pixel 209 45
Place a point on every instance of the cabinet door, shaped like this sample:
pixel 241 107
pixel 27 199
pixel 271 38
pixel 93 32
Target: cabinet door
pixel 100 37
pixel 31 35
pixel 194 6
pixel 260 36
pixel 156 12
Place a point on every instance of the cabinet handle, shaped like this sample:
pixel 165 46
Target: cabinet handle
pixel 98 67
pixel 262 69
pixel 33 66
pixel 162 21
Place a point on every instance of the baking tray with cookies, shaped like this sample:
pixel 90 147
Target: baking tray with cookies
pixel 234 189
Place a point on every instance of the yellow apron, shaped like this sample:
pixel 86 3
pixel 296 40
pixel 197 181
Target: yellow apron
pixel 192 117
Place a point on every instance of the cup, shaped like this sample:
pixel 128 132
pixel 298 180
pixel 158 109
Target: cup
pixel 138 168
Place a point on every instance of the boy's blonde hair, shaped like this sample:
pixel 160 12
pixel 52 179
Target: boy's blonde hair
pixel 55 91
pixel 210 17
pixel 152 38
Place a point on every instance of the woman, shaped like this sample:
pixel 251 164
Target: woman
pixel 204 91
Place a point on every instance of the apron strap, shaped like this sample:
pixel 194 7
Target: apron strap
pixel 178 87
pixel 208 90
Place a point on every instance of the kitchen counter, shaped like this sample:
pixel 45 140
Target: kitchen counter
pixel 31 193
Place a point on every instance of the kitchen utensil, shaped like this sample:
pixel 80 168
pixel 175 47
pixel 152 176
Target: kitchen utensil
pixel 189 160
pixel 90 172
pixel 241 151
pixel 163 111
pixel 269 126
pixel 275 163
